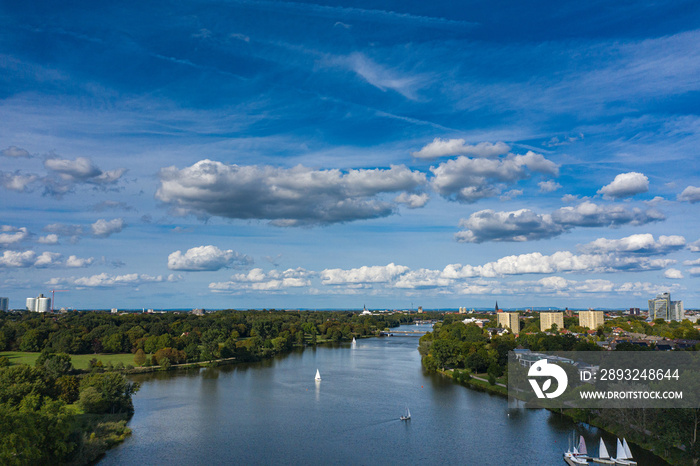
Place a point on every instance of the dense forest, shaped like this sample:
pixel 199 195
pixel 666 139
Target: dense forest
pixel 468 349
pixel 52 414
pixel 184 337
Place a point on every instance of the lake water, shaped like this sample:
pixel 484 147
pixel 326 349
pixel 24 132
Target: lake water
pixel 274 412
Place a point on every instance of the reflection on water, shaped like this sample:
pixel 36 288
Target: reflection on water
pixel 274 412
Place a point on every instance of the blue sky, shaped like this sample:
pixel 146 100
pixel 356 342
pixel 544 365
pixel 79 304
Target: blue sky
pixel 330 155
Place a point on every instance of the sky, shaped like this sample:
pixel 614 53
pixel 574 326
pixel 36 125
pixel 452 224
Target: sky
pixel 278 154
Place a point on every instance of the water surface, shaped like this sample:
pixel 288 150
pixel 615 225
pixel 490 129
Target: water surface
pixel 274 412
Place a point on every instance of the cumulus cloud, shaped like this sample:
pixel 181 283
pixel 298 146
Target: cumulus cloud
pixel 258 280
pixel 695 271
pixel 206 258
pixel 79 171
pixel 694 246
pixel 412 201
pixel 48 239
pixel 24 259
pixel 519 225
pixel 690 194
pixel 10 235
pixel 361 275
pixel 76 262
pixel 548 186
pixel 673 273
pixel 467 179
pixel 103 228
pixel 526 225
pixel 17 181
pixel 636 244
pixel 111 205
pixel 450 147
pixel 14 151
pixel 100 229
pixel 288 197
pixel 625 185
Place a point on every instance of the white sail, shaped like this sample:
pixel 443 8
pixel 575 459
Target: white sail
pixel 582 446
pixel 602 451
pixel 628 453
pixel 621 455
pixel 318 375
pixel 353 340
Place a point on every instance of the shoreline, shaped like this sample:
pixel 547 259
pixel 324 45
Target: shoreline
pixel 498 389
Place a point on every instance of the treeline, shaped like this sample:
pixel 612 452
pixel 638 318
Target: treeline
pixel 673 433
pixel 52 416
pixel 183 337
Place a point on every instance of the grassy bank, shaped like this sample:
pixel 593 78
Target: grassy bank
pixel 80 361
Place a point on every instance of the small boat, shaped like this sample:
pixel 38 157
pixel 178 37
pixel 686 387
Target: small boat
pixel 576 455
pixel 603 455
pixel 407 416
pixel 318 376
pixel 354 342
pixel 623 454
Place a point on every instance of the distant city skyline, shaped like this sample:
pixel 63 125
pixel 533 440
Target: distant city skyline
pixel 329 155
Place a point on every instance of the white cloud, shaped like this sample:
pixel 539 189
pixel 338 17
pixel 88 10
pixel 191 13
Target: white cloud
pixel 47 259
pixel 636 244
pixel 412 201
pixel 450 147
pixel 105 280
pixel 80 170
pixel 48 239
pixel 288 197
pixel 526 225
pixel 673 273
pixel 14 151
pixel 206 258
pixel 378 75
pixel 17 181
pixel 103 228
pixel 625 185
pixel 693 262
pixel 694 246
pixel 695 271
pixel 364 274
pixel 10 235
pixel 258 280
pixel 690 194
pixel 548 186
pixel 17 259
pixel 76 262
pixel 467 179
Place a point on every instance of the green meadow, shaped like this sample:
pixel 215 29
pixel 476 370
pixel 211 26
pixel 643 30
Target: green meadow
pixel 80 361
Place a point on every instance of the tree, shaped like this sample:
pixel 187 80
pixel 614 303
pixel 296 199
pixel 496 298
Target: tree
pixel 107 393
pixel 139 357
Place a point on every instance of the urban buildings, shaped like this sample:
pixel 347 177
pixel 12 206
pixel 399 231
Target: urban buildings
pixel 39 304
pixel 591 319
pixel 547 319
pixel 4 304
pixel 662 307
pixel 510 320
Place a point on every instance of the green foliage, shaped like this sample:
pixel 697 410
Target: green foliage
pixel 107 393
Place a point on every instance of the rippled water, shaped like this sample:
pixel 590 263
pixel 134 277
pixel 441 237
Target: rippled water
pixel 275 413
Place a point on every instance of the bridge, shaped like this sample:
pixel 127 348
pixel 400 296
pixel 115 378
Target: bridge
pixel 412 333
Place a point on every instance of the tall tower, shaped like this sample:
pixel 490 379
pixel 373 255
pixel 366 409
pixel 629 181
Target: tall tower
pixel 496 306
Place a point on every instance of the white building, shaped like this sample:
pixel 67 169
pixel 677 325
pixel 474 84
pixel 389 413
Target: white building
pixel 4 304
pixel 662 307
pixel 39 304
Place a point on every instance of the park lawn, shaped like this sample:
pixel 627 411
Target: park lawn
pixel 80 361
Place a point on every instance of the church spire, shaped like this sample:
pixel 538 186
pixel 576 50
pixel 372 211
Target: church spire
pixel 496 306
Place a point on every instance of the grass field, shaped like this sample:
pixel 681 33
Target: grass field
pixel 80 361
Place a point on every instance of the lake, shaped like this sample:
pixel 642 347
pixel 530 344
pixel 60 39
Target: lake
pixel 273 412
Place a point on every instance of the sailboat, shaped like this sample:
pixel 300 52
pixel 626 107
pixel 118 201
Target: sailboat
pixel 407 416
pixel 577 455
pixel 318 376
pixel 354 342
pixel 603 455
pixel 624 455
